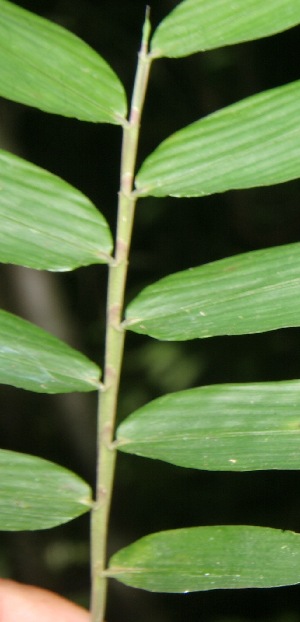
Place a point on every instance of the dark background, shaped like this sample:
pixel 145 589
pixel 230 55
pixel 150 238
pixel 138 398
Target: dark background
pixel 169 235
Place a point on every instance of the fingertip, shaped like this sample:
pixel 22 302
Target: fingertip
pixel 25 603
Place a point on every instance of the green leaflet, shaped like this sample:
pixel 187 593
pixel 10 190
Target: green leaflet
pixel 249 293
pixel 45 66
pixel 255 142
pixel 37 494
pixel 45 222
pixel 198 25
pixel 233 427
pixel 31 358
pixel 209 558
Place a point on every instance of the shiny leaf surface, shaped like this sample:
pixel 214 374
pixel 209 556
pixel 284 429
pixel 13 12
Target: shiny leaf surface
pixel 31 358
pixel 198 25
pixel 255 142
pixel 209 558
pixel 45 66
pixel 233 427
pixel 46 223
pixel 37 494
pixel 249 293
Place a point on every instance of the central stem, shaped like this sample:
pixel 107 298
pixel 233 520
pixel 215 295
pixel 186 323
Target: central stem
pixel 115 335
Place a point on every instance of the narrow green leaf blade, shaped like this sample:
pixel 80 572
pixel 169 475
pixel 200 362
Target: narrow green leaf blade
pixel 255 142
pixel 209 558
pixel 31 358
pixel 233 427
pixel 37 494
pixel 45 66
pixel 250 293
pixel 46 223
pixel 198 25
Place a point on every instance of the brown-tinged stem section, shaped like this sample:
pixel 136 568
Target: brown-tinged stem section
pixel 115 335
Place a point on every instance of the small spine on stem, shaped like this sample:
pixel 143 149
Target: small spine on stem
pixel 115 334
